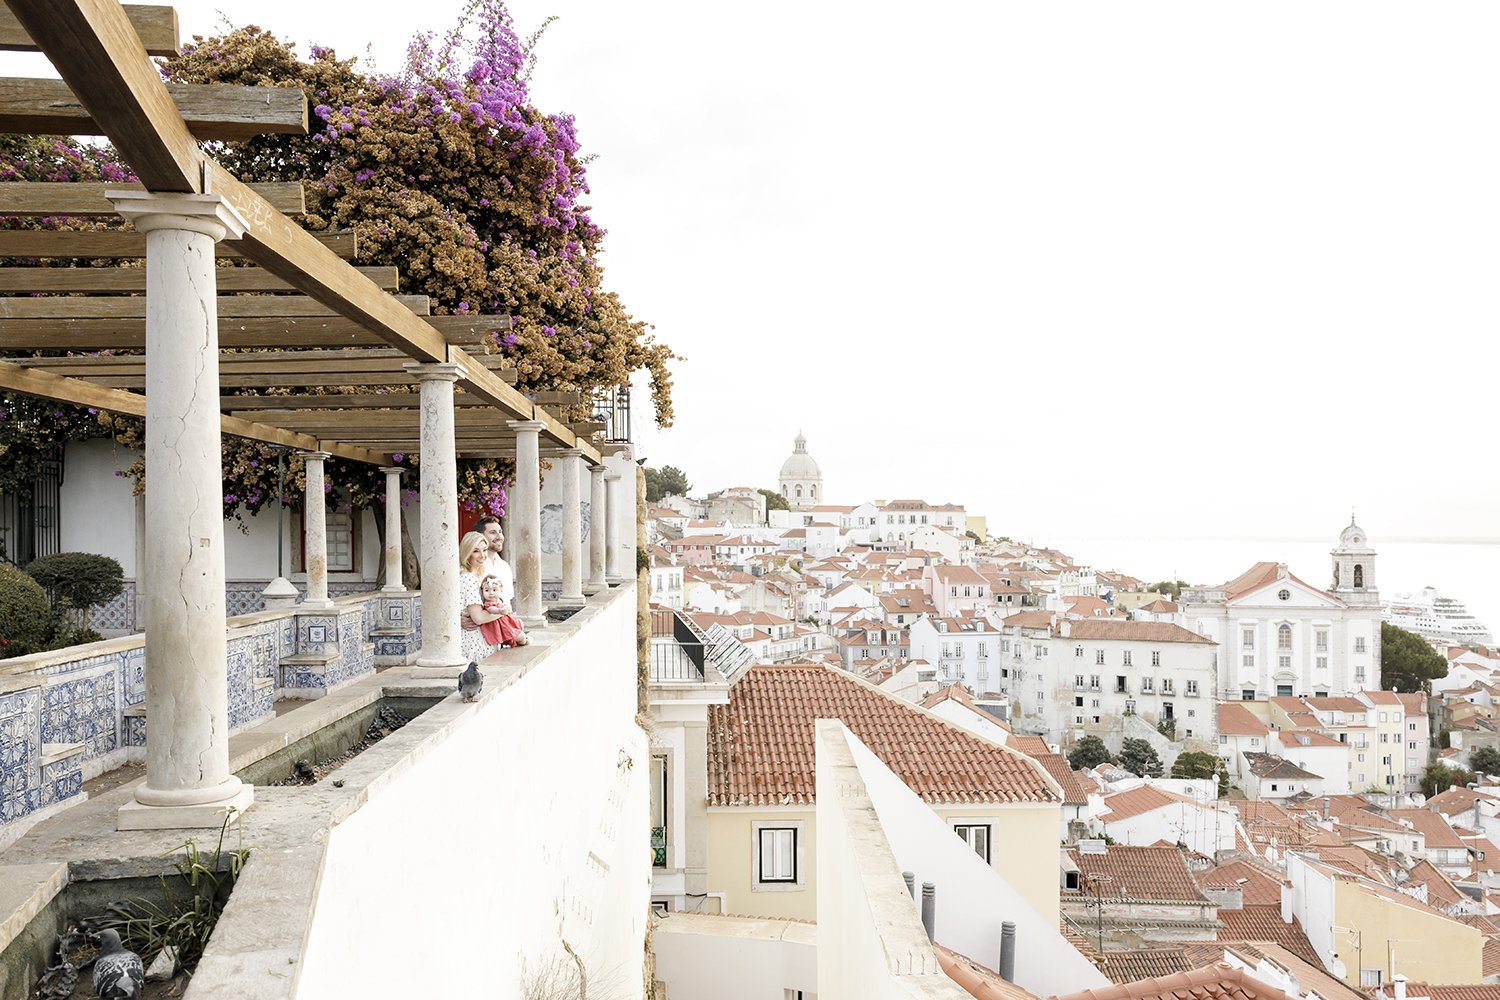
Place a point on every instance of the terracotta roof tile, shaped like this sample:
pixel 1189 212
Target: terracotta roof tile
pixel 1472 991
pixel 975 979
pixel 1219 981
pixel 1237 720
pixel 1113 628
pixel 1264 923
pixel 1132 966
pixel 1139 873
pixel 1259 888
pixel 761 746
pixel 1124 805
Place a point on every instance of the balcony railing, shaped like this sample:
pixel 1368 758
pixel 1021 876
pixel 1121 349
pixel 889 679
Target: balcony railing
pixel 678 650
pixel 658 847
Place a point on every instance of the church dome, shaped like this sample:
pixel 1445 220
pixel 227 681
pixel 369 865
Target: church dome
pixel 1354 538
pixel 800 466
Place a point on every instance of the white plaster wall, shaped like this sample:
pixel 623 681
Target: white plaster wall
pixel 735 958
pixel 526 822
pixel 623 513
pixel 1203 829
pixel 972 898
pixel 96 507
pixel 976 723
pixel 1312 903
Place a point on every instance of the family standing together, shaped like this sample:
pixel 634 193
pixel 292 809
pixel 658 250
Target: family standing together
pixel 486 593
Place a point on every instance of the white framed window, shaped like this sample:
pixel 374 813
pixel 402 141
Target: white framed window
pixel 1192 687
pixel 778 856
pixel 1156 657
pixel 1283 662
pixel 1359 644
pixel 1322 663
pixel 1248 661
pixel 1320 641
pixel 1359 675
pixel 1077 650
pixel 977 836
pixel 1099 657
pixel 1284 637
pixel 1147 685
pixel 1247 638
pixel 1125 658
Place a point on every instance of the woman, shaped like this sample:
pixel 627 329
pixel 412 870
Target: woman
pixel 473 551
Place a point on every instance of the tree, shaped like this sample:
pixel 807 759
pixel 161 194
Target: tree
pixel 25 617
pixel 666 482
pixel 1195 764
pixel 1485 759
pixel 1438 778
pixel 1407 662
pixel 774 500
pixel 1139 757
pixel 77 581
pixel 1172 588
pixel 1089 752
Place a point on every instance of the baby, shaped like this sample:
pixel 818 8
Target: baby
pixel 505 630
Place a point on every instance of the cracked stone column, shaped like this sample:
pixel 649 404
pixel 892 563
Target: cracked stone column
pixel 188 782
pixel 526 522
pixel 442 653
pixel 568 466
pixel 393 528
pixel 598 516
pixel 315 530
pixel 612 528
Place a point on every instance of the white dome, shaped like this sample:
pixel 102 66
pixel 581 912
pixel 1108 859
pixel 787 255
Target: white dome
pixel 1354 538
pixel 800 466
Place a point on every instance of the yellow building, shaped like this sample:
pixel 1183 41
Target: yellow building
pixel 761 819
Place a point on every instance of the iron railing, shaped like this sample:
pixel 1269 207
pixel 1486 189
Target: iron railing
pixel 678 650
pixel 30 525
pixel 612 409
pixel 658 847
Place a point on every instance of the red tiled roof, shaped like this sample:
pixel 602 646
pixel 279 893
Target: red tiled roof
pixel 976 980
pixel 1124 805
pixel 1434 829
pixel 1114 628
pixel 1258 887
pixel 1237 720
pixel 1219 981
pixel 1140 873
pixel 1132 966
pixel 1057 765
pixel 1031 746
pixel 761 744
pixel 1264 923
pixel 1471 991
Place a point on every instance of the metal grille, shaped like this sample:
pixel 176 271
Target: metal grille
pixel 612 409
pixel 29 523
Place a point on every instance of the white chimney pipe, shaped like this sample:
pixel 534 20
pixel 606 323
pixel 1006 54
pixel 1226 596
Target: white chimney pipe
pixel 1286 902
pixel 1400 984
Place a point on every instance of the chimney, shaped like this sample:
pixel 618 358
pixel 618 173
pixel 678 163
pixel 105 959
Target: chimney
pixel 1399 981
pixel 929 908
pixel 1478 817
pixel 1325 808
pixel 911 883
pixel 1286 902
pixel 1008 951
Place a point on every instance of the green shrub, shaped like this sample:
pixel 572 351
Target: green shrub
pixel 25 616
pixel 76 581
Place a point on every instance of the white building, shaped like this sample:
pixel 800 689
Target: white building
pixel 896 520
pixel 801 480
pixel 1280 636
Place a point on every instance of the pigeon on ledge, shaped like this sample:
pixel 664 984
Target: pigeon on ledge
pixel 118 973
pixel 470 682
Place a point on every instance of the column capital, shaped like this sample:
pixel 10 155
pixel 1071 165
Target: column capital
pixel 208 214
pixel 527 426
pixel 568 453
pixel 308 456
pixel 434 371
pixel 612 477
pixel 598 470
pixel 393 470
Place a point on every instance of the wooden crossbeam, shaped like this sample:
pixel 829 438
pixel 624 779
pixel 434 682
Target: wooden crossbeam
pixel 373 420
pixel 555 398
pixel 134 306
pixel 118 245
pixel 342 401
pixel 133 279
pixel 292 380
pixel 80 198
pixel 94 49
pixel 329 363
pixel 217 111
pixel 46 385
pixel 155 27
pixel 588 427
pixel 67 334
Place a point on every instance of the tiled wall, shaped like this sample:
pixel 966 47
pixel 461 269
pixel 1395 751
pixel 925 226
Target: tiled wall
pixel 85 700
pixel 241 597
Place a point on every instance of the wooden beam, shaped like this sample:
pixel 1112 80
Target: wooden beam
pixel 341 401
pixel 218 111
pixel 330 363
pixel 67 334
pixel 134 306
pixel 133 279
pixel 588 428
pixel 80 393
pixel 555 398
pixel 64 244
pixel 371 421
pixel 155 26
pixel 291 380
pixel 95 50
pixel 79 198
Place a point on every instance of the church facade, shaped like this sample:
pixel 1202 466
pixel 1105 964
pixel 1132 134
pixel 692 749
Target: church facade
pixel 1278 635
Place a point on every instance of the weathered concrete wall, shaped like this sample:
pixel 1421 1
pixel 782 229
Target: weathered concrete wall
pixel 518 841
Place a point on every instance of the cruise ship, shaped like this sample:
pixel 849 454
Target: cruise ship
pixel 1437 618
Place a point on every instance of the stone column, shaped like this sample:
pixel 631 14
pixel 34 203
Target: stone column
pixel 526 523
pixel 572 528
pixel 188 782
pixel 315 530
pixel 442 652
pixel 612 528
pixel 598 517
pixel 393 528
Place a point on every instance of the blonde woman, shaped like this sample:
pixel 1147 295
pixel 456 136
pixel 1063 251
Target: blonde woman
pixel 473 550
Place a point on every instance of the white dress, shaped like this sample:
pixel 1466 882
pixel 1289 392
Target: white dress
pixel 473 643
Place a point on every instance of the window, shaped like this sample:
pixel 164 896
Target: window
pixel 1320 643
pixel 1412 726
pixel 659 806
pixel 777 855
pixel 1283 637
pixel 1099 657
pixel 1094 683
pixel 1192 687
pixel 1147 685
pixel 1166 685
pixel 977 836
pixel 1322 663
pixel 1283 690
pixel 1070 880
pixel 1125 658
pixel 1077 650
pixel 1223 740
pixel 1359 675
pixel 1359 644
pixel 1283 663
pixel 1119 684
pixel 1247 638
pixel 1078 680
pixel 1369 977
pixel 1248 661
pixel 1156 657
pixel 1283 595
pixel 1359 577
pixel 1247 695
pixel 1078 701
pixel 1411 745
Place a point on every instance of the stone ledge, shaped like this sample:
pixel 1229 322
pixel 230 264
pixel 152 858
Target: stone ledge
pixel 25 890
pixel 136 711
pixel 54 752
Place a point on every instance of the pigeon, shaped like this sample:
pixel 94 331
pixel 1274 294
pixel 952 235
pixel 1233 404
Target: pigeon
pixel 118 973
pixel 470 682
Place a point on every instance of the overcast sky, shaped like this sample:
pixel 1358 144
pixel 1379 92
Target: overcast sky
pixel 1169 266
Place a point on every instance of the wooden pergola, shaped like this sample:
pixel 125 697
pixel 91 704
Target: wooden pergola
pixel 293 316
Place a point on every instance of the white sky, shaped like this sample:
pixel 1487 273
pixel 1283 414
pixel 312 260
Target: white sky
pixel 1185 267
